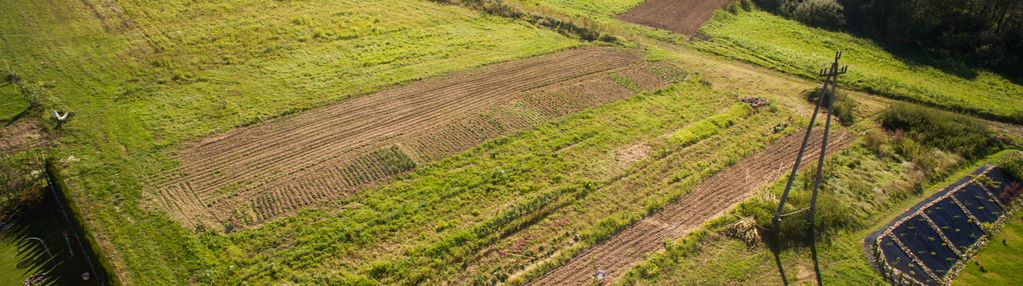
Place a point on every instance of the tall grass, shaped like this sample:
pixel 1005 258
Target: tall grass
pixel 953 132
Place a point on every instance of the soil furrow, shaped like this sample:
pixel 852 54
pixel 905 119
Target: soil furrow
pixel 711 198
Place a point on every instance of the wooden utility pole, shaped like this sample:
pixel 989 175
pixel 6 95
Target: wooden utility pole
pixel 825 94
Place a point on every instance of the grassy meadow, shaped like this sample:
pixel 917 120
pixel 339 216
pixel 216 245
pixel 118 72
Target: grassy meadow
pixel 777 43
pixel 598 8
pixel 142 77
pixel 11 102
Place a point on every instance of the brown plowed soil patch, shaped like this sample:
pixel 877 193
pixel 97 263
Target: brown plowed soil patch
pixel 254 174
pixel 22 135
pixel 711 198
pixel 681 16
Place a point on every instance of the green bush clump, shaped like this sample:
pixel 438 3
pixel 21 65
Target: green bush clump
pixel 948 131
pixel 844 107
pixel 818 13
pixel 830 214
pixel 1013 164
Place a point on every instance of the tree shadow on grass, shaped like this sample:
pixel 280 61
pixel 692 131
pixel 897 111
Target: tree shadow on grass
pixel 20 115
pixel 949 64
pixel 916 58
pixel 53 258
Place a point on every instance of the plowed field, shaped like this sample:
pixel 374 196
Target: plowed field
pixel 709 199
pixel 254 174
pixel 682 16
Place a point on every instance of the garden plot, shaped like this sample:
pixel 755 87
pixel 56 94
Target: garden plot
pixel 684 17
pixel 928 244
pixel 254 174
pixel 711 198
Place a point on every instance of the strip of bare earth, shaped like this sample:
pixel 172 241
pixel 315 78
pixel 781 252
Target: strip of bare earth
pixel 712 198
pixel 258 173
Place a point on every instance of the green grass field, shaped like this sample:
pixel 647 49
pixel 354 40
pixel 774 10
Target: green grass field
pixel 151 75
pixel 144 77
pixel 11 102
pixel 589 8
pixel 785 45
pixel 999 262
pixel 10 274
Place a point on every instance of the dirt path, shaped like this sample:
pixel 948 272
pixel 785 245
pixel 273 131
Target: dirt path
pixel 682 16
pixel 277 168
pixel 711 198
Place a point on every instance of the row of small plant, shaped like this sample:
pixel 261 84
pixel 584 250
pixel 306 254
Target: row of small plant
pixel 710 126
pixel 858 185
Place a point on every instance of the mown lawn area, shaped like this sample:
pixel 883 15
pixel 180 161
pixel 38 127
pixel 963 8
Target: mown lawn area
pixel 1000 261
pixel 10 274
pixel 11 102
pixel 771 41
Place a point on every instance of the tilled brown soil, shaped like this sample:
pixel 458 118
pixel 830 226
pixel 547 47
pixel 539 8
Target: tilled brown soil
pixel 682 16
pixel 254 174
pixel 711 198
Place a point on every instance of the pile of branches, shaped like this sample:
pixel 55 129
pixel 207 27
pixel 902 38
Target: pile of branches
pixel 756 102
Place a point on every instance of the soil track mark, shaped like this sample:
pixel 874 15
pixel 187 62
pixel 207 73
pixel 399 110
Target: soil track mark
pixel 711 198
pixel 681 16
pixel 254 174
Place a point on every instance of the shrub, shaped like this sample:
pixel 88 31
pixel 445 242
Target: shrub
pixel 844 107
pixel 820 13
pixel 1013 164
pixel 940 129
pixel 827 14
pixel 831 215
pixel 746 4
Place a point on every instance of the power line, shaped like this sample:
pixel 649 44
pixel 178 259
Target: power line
pixel 826 93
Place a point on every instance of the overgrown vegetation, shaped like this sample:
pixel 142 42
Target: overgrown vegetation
pixel 817 13
pixel 831 215
pixel 844 107
pixel 18 172
pixel 939 129
pixel 872 189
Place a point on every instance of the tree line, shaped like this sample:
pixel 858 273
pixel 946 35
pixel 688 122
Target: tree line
pixel 982 33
